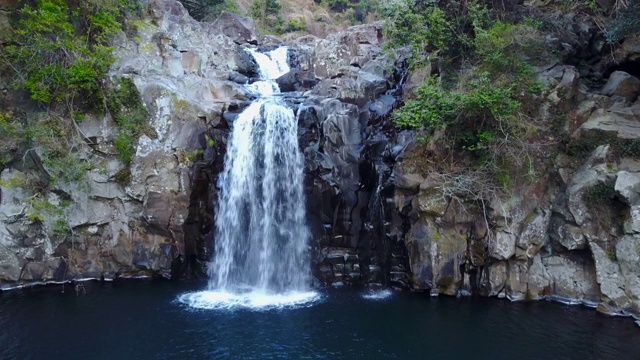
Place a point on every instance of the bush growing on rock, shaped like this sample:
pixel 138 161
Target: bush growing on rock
pixel 60 55
pixel 627 21
pixel 267 14
pixel 478 110
pixel 60 52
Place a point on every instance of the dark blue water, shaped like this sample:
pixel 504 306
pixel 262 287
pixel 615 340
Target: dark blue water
pixel 141 320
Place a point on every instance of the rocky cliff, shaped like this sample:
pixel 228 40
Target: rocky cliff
pixel 378 213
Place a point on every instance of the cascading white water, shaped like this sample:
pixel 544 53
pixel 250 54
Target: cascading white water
pixel 261 241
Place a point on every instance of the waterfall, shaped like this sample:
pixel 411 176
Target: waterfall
pixel 261 241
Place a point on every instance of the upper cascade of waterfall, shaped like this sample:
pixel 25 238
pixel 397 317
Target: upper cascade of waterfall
pixel 271 65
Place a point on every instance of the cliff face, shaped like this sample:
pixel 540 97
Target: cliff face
pixel 378 212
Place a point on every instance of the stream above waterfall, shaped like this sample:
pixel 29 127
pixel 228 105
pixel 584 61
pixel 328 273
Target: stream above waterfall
pixel 142 320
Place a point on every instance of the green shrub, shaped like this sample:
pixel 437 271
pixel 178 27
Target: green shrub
pixel 267 14
pixel 360 8
pixel 478 107
pixel 626 22
pixel 11 137
pixel 40 209
pixel 424 28
pixel 60 51
pixel 294 24
pixel 131 117
pixel 432 108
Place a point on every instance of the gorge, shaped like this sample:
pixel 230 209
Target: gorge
pixel 274 170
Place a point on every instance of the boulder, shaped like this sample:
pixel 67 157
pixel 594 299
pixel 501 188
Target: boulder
pixel 609 276
pixel 352 47
pixel 528 280
pixel 432 202
pixel 627 187
pixel 502 245
pixel 573 279
pixel 622 84
pixel 495 279
pixel 571 237
pixel 628 256
pixel 9 265
pixel 624 122
pixel 353 86
pixel 533 236
pixel 296 80
pixel 629 50
pixel 419 247
pixel 592 172
pixel 240 30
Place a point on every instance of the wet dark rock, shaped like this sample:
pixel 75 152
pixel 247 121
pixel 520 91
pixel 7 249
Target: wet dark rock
pixel 238 78
pixel 296 80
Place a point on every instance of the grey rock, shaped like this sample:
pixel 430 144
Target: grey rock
pixel 609 276
pixel 628 256
pixel 627 187
pixel 502 245
pixel 571 237
pixel 9 265
pixel 239 29
pixel 534 235
pixel 573 279
pixel 622 84
pixel 528 280
pixel 496 279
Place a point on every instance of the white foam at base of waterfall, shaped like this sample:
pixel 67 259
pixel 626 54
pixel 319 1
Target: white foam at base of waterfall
pixel 253 300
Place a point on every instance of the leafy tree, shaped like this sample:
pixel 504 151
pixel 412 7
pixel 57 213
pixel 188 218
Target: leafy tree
pixel 267 13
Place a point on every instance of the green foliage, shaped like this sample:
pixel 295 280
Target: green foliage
pixel 40 209
pixel 11 136
pixel 626 23
pixel 477 114
pixel 598 194
pixel 267 14
pixel 210 142
pixel 131 117
pixel 431 110
pixel 296 24
pixel 67 168
pixel 360 8
pixel 123 176
pixel 423 27
pixel 60 50
pixel 584 145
